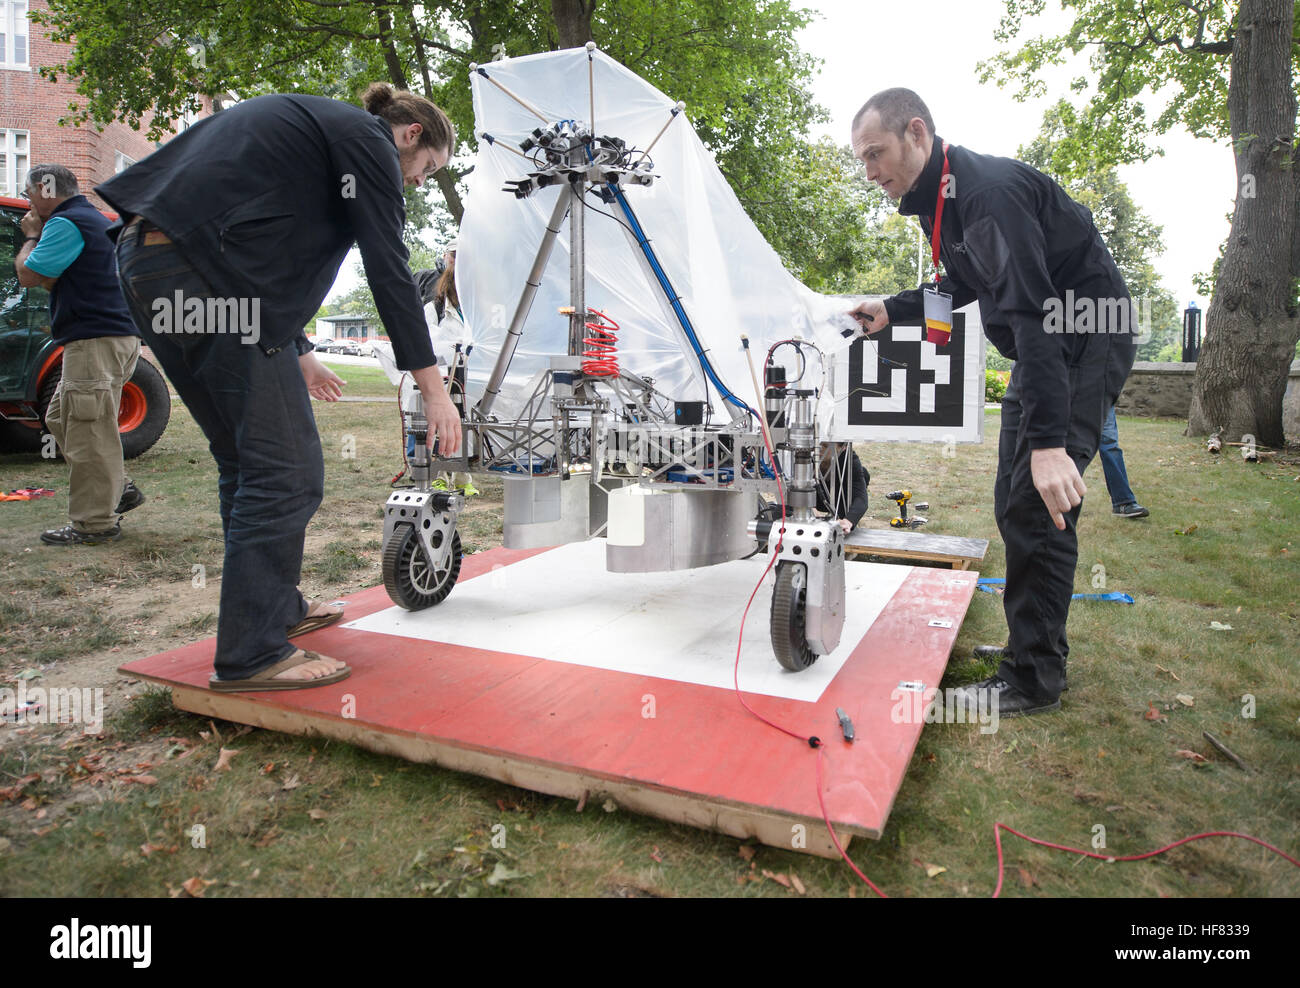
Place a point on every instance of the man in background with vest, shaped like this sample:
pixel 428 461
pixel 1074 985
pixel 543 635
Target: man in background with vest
pixel 68 251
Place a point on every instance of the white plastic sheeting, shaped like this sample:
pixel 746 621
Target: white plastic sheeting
pixel 729 279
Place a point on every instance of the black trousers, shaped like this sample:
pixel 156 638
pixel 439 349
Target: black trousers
pixel 1041 558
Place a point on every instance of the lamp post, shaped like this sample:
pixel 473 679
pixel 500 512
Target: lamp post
pixel 1191 333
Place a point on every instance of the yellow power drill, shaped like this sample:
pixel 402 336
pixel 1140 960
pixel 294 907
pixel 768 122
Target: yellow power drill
pixel 902 521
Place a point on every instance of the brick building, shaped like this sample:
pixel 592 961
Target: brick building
pixel 31 106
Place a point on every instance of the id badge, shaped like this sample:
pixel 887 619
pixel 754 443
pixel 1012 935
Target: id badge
pixel 938 317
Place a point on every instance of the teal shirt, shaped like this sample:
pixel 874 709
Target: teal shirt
pixel 61 243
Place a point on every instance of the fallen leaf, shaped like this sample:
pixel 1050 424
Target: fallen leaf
pixel 1169 672
pixel 609 806
pixel 778 878
pixel 1194 756
pixel 1216 626
pixel 501 873
pixel 1026 879
pixel 656 855
pixel 747 852
pixel 375 781
pixel 798 885
pixel 144 780
pixel 1185 700
pixel 223 760
pixel 293 782
pixel 931 870
pixel 195 886
pixel 1152 713
pixel 268 768
pixel 317 814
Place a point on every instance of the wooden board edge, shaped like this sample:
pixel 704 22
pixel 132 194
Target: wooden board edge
pixel 742 822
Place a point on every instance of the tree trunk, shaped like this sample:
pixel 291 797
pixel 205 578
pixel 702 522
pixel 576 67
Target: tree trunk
pixel 1251 327
pixel 447 183
pixel 573 21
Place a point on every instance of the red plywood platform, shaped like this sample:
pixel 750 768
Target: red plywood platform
pixel 567 729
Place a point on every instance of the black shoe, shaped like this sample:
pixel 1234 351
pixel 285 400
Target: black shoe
pixel 67 535
pixel 985 652
pixel 131 498
pixel 1130 510
pixel 1010 702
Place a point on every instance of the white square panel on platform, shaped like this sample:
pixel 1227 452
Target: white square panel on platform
pixel 562 605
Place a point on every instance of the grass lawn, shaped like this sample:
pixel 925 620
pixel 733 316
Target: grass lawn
pixel 115 814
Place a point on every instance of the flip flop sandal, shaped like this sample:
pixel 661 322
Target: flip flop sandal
pixel 315 618
pixel 264 681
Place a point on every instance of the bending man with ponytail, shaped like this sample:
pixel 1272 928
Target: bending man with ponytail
pixel 231 234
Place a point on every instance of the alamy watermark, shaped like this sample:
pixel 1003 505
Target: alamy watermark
pixel 933 705
pixel 55 705
pixel 1086 314
pixel 179 315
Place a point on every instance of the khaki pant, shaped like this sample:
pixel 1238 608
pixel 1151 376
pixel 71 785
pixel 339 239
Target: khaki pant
pixel 82 417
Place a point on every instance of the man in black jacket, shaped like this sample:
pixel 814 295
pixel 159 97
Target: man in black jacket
pixel 1052 299
pixel 232 234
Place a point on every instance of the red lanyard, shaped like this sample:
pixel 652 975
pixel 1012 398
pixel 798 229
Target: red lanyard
pixel 938 213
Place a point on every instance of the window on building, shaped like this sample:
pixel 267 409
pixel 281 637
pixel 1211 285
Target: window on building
pixel 15 159
pixel 121 162
pixel 13 34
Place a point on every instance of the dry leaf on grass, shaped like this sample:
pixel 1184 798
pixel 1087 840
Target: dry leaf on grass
pixel 656 855
pixel 223 760
pixel 747 852
pixel 780 879
pixel 317 814
pixel 195 886
pixel 1216 626
pixel 292 782
pixel 798 885
pixel 1185 700
pixel 1026 879
pixel 1152 713
pixel 1194 756
pixel 1168 672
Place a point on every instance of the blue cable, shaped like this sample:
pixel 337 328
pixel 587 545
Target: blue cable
pixel 673 299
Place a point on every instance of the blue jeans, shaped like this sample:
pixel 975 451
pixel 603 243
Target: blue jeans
pixel 254 409
pixel 1112 463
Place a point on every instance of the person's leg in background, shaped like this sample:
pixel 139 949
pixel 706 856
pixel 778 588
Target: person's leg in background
pixel 1122 500
pixel 82 417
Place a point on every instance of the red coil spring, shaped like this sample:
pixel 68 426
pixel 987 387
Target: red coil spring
pixel 601 355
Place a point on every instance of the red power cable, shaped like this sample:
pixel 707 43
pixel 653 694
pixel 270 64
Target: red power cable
pixel 999 826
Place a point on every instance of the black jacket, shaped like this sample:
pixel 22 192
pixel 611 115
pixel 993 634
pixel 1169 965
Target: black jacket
pixel 857 492
pixel 266 198
pixel 1014 240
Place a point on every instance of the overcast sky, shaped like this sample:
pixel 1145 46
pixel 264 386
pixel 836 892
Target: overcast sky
pixel 867 46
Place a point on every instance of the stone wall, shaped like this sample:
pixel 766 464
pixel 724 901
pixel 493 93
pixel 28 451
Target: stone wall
pixel 1155 390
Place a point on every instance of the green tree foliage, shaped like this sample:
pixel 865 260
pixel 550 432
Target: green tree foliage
pixel 1134 240
pixel 737 66
pixel 1224 70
